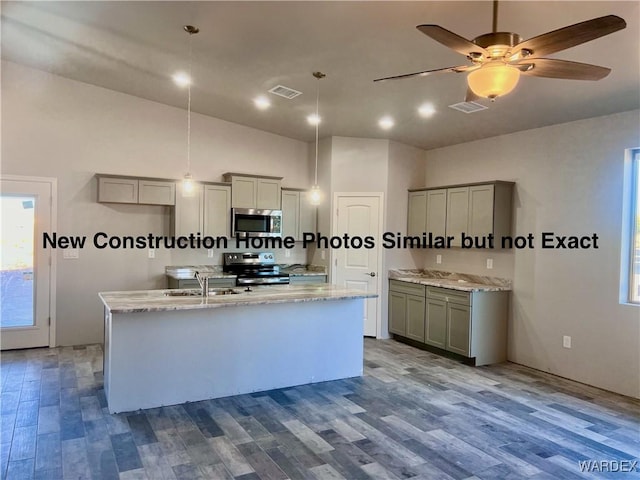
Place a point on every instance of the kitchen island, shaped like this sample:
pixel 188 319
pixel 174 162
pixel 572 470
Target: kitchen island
pixel 165 348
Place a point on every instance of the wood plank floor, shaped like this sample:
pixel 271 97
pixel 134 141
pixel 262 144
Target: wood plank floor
pixel 412 415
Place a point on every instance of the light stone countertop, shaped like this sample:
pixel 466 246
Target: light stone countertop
pixel 300 270
pixel 455 281
pixel 157 301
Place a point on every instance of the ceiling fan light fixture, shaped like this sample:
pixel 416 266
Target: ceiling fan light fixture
pixel 493 80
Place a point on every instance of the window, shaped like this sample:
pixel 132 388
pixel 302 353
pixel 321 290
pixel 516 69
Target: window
pixel 634 265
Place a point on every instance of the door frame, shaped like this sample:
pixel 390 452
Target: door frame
pixel 53 184
pixel 378 237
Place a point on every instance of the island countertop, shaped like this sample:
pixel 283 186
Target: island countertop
pixel 166 300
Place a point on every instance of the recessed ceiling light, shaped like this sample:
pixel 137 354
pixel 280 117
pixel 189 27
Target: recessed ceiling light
pixel 426 110
pixel 386 123
pixel 181 79
pixel 314 119
pixel 262 103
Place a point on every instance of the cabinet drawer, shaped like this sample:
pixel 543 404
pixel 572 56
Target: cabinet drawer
pixel 406 287
pixel 449 295
pixel 308 279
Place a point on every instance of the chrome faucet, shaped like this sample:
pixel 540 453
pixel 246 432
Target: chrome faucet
pixel 203 280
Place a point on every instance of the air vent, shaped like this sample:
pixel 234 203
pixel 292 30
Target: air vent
pixel 468 107
pixel 285 92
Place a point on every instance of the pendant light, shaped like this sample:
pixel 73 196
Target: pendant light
pixel 187 182
pixel 315 197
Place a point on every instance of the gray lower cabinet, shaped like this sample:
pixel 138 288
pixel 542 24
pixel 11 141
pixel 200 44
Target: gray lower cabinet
pixel 305 279
pixel 472 324
pixel 406 310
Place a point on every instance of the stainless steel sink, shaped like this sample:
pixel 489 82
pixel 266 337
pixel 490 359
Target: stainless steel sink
pixel 222 291
pixel 183 293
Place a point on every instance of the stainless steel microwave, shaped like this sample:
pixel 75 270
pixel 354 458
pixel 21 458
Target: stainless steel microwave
pixel 251 222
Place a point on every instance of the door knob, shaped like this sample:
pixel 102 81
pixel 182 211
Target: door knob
pixel 372 274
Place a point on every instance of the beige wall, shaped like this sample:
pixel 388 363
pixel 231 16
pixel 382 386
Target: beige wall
pixel 60 128
pixel 569 180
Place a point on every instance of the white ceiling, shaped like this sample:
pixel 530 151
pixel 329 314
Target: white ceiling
pixel 245 48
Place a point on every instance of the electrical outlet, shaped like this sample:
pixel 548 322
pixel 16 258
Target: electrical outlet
pixel 210 253
pixel 152 253
pixel 438 259
pixel 71 253
pixel 566 341
pixel 287 253
pixel 489 263
pixel 322 254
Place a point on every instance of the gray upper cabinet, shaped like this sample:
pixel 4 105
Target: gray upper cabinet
pixel 216 209
pixel 457 213
pixel 153 192
pixel 437 212
pixel 115 189
pixel 206 210
pixel 254 191
pixel 417 214
pixel 480 222
pixel 477 210
pixel 298 215
pixel 187 215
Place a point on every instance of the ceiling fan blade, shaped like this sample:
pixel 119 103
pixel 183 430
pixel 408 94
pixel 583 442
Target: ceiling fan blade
pixel 461 68
pixel 553 68
pixel 451 40
pixel 570 36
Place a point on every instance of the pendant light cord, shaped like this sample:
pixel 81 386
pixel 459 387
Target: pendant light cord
pixel 189 106
pixel 317 127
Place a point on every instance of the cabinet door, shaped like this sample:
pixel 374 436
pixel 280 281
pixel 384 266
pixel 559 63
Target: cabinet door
pixel 417 213
pixel 480 210
pixel 217 210
pixel 188 211
pixel 117 190
pixel 457 213
pixel 152 192
pixel 290 214
pixel 268 194
pixel 415 317
pixel 307 215
pixel 243 192
pixel 437 212
pixel 458 328
pixel 398 313
pixel 436 323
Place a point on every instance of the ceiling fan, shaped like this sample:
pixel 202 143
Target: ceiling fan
pixel 499 58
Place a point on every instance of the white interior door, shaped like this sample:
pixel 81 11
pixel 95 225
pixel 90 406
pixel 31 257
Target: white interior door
pixel 25 266
pixel 359 215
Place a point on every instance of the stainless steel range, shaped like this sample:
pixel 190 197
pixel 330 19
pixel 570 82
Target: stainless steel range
pixel 254 269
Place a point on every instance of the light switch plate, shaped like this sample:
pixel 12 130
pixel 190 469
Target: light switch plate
pixel 210 253
pixel 322 254
pixel 566 341
pixel 489 263
pixel 152 253
pixel 287 253
pixel 438 259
